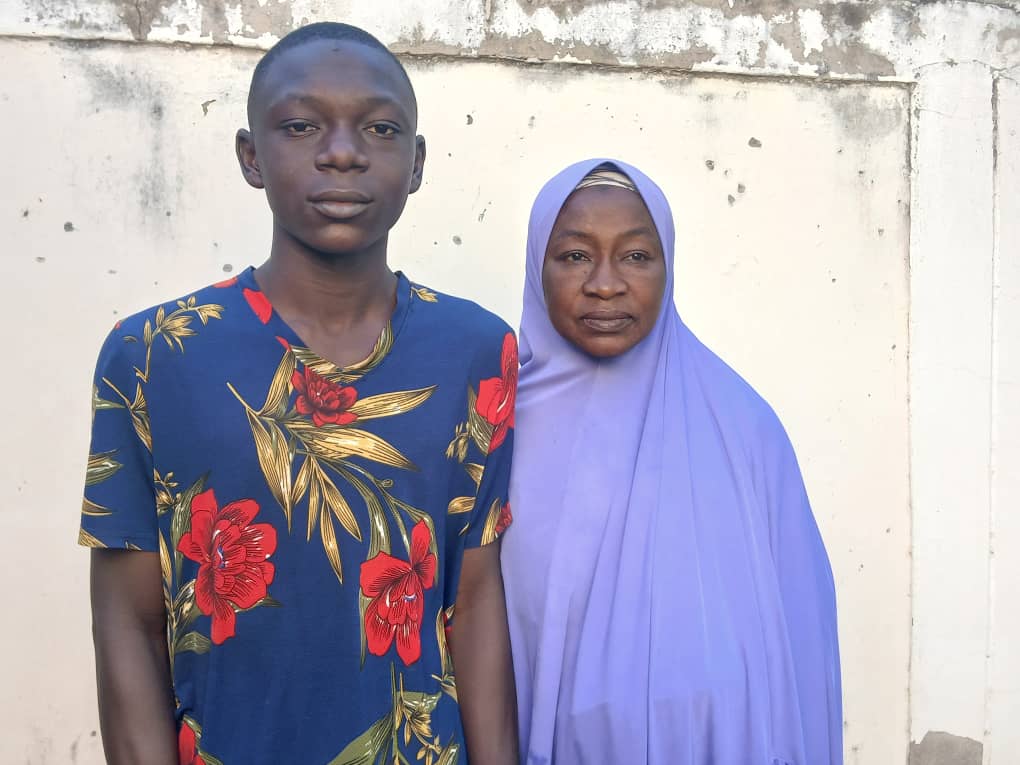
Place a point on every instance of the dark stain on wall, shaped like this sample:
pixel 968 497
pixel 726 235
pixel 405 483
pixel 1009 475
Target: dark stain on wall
pixel 940 748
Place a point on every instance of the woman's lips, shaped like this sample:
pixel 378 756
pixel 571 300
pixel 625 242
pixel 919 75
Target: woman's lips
pixel 607 321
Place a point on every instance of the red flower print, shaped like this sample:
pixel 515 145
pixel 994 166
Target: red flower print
pixel 496 395
pixel 505 519
pixel 324 400
pixel 226 283
pixel 259 304
pixel 447 626
pixel 232 554
pixel 397 590
pixel 187 746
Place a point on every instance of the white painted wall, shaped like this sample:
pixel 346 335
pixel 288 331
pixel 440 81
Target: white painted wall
pixel 1003 702
pixel 866 279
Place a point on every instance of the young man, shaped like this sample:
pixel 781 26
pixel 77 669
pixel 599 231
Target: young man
pixel 297 476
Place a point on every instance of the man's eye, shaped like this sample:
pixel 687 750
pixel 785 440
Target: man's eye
pixel 384 130
pixel 299 128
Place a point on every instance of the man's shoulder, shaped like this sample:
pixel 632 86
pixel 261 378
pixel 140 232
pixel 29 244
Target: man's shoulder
pixel 171 321
pixel 466 321
pixel 199 305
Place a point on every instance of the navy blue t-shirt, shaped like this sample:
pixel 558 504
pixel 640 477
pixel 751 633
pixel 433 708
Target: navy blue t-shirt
pixel 310 520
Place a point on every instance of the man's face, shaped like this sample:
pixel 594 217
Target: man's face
pixel 333 143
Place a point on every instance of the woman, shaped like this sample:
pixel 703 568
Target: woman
pixel 670 598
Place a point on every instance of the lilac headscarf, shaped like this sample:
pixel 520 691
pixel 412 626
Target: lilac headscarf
pixel 670 598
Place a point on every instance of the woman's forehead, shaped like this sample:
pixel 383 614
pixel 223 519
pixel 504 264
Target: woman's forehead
pixel 603 207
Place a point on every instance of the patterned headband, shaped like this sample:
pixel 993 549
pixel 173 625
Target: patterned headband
pixel 605 175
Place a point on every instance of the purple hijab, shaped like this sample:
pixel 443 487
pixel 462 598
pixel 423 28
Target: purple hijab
pixel 670 598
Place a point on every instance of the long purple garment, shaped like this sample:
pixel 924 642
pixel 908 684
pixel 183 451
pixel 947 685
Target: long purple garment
pixel 670 598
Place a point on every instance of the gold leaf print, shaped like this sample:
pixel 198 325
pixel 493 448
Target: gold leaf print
pixel 140 418
pixel 90 508
pixel 330 545
pixel 99 403
pixel 390 404
pixel 365 749
pixel 165 567
pixel 301 482
pixel 479 428
pixel 164 486
pixel 180 521
pixel 192 641
pixel 475 471
pixel 139 412
pixel 461 505
pixel 101 467
pixel 459 445
pixel 334 443
pixel 86 539
pixel 173 327
pixel 274 458
pixel 338 505
pixel 314 503
pixel 333 373
pixel 447 682
pixel 379 537
pixel 449 754
pixel 279 388
pixel 425 294
pixel 491 521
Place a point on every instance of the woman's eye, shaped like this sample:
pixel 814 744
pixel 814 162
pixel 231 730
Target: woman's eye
pixel 638 256
pixel 298 128
pixel 384 130
pixel 575 257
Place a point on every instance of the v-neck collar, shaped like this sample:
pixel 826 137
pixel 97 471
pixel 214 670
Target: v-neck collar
pixel 262 311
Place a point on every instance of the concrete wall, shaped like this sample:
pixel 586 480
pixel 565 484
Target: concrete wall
pixel 846 181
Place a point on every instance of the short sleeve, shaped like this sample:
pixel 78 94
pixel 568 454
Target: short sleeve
pixel 494 417
pixel 119 507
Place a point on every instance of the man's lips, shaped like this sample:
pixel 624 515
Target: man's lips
pixel 340 204
pixel 607 321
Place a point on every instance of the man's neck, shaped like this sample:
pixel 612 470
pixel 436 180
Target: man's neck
pixel 333 294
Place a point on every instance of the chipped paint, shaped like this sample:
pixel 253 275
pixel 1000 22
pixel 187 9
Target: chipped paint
pixel 938 748
pixel 812 30
pixel 831 38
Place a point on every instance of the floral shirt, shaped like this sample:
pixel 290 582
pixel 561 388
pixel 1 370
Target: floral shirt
pixel 310 520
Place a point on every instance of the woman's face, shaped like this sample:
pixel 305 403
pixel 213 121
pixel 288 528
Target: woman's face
pixel 604 273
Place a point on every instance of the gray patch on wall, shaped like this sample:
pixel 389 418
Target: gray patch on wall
pixel 940 748
pixel 140 16
pixel 123 89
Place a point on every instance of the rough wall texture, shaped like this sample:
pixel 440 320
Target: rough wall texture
pixel 837 167
pixel 844 38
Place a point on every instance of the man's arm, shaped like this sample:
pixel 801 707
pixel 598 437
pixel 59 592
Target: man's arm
pixel 480 647
pixel 136 707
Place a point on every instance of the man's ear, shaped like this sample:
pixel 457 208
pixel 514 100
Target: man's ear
pixel 245 147
pixel 419 163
